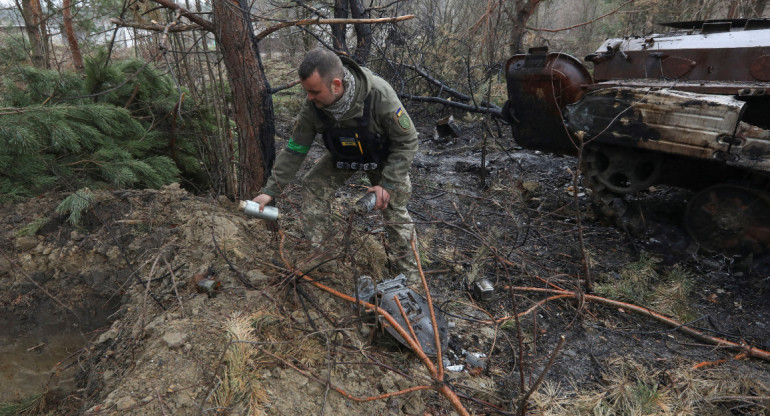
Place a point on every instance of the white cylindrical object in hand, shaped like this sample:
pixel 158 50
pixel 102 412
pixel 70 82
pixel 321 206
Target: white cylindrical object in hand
pixel 251 208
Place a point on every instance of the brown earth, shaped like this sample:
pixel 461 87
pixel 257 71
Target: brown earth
pixel 127 279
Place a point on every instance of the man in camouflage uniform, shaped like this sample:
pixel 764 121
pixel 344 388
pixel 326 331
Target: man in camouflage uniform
pixel 364 127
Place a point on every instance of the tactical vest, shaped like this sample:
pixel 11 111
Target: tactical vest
pixel 356 148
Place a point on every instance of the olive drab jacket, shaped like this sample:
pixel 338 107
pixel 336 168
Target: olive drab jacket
pixel 388 119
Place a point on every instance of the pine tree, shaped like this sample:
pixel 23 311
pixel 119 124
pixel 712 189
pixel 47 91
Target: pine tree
pixel 120 126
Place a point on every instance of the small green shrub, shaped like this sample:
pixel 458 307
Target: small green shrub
pixel 32 228
pixel 76 204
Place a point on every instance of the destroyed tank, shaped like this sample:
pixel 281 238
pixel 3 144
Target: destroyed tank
pixel 688 108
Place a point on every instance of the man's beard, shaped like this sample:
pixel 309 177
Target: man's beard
pixel 321 106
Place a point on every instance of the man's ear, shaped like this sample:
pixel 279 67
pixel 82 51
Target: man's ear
pixel 336 87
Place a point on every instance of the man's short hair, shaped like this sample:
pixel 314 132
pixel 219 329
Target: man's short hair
pixel 326 62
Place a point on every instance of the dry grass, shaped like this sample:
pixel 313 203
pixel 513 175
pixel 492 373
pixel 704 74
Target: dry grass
pixel 635 281
pixel 672 296
pixel 641 284
pixel 35 405
pixel 240 388
pixel 630 388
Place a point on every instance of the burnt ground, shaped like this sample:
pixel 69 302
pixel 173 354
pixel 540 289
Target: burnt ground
pixel 126 277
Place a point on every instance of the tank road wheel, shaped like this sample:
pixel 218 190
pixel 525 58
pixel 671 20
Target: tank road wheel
pixel 613 172
pixel 730 219
pixel 622 171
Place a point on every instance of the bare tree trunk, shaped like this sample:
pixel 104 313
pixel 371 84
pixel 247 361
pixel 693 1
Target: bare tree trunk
pixel 36 31
pixel 363 32
pixel 759 9
pixel 355 8
pixel 342 11
pixel 77 58
pixel 524 9
pixel 252 101
pixel 752 8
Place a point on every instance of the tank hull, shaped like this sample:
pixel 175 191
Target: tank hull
pixel 689 108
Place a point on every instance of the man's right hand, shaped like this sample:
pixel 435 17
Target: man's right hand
pixel 262 200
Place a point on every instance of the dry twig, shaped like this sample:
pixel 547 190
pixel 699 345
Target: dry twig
pixel 747 349
pixel 584 23
pixel 522 402
pixel 436 371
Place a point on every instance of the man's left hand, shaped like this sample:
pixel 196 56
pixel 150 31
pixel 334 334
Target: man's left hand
pixel 383 197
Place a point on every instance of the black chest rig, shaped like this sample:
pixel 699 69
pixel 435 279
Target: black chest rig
pixel 356 148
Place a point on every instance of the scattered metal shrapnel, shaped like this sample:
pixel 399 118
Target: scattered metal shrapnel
pixel 483 289
pixel 209 286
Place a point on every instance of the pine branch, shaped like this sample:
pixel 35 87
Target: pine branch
pixel 76 203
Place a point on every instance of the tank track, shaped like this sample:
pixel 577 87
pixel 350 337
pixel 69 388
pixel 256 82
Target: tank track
pixel 731 217
pixel 606 175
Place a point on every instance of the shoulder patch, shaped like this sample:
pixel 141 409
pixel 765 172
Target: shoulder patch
pixel 402 119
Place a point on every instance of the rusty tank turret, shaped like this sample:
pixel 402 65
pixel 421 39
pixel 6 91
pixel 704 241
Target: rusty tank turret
pixel 688 108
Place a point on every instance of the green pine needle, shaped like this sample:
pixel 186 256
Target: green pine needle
pixel 76 204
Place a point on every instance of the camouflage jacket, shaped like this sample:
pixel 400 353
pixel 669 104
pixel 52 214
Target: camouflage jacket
pixel 389 118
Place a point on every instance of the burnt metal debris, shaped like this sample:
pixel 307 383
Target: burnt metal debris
pixel 415 306
pixel 483 289
pixel 687 108
pixel 447 127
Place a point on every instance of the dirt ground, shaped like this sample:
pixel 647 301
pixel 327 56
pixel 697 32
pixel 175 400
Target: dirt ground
pixel 129 278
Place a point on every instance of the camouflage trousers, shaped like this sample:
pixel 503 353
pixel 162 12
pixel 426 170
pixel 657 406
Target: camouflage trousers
pixel 318 188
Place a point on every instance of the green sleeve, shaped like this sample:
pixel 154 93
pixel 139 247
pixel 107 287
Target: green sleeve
pixel 290 159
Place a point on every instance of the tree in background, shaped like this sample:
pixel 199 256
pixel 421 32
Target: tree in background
pixel 69 32
pixel 252 102
pixel 355 9
pixel 37 33
pixel 452 54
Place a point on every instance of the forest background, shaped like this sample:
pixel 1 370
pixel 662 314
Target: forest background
pixel 145 93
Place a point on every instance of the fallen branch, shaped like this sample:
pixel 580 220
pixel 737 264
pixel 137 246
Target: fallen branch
pixel 147 287
pixel 581 24
pixel 203 23
pixel 703 364
pixel 284 87
pixel 306 22
pixel 747 349
pixel 491 109
pixel 156 27
pixel 176 292
pixel 433 322
pixel 444 88
pixel 436 371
